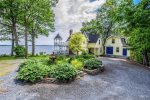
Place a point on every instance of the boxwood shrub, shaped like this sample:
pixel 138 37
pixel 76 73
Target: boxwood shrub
pixel 19 51
pixel 32 71
pixel 92 64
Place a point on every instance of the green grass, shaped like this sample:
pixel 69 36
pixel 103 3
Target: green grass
pixel 14 58
pixel 39 57
pixel 7 64
pixel 7 58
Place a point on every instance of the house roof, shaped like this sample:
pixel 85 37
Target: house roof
pixel 123 41
pixel 58 37
pixel 93 38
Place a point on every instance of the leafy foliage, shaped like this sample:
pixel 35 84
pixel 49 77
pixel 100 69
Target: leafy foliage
pixel 62 59
pixel 32 71
pixel 136 56
pixel 134 22
pixel 26 19
pixel 63 72
pixel 92 64
pixel 102 25
pixel 85 56
pixel 77 64
pixel 76 42
pixel 19 51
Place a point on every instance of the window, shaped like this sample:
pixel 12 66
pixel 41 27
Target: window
pixel 99 41
pixel 113 40
pixel 117 49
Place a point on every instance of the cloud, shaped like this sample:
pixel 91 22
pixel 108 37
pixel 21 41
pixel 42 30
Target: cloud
pixel 69 14
pixel 76 11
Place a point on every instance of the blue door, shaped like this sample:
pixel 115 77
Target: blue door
pixel 124 52
pixel 109 50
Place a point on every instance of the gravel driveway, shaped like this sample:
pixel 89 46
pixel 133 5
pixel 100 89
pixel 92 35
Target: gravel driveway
pixel 120 81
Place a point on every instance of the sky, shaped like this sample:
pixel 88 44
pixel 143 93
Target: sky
pixel 136 1
pixel 69 14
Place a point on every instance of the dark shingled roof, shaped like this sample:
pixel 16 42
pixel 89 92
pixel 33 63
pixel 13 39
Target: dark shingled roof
pixel 93 38
pixel 123 40
pixel 58 37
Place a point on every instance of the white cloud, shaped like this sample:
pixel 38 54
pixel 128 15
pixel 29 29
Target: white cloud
pixel 69 14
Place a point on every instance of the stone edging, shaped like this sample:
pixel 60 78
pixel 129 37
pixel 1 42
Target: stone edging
pixel 80 74
pixel 95 71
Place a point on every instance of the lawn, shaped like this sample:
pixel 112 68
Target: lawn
pixel 9 64
pixel 14 58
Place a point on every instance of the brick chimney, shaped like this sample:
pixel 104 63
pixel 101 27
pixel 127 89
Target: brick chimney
pixel 71 31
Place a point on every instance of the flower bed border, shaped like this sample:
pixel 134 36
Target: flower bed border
pixel 54 81
pixel 95 71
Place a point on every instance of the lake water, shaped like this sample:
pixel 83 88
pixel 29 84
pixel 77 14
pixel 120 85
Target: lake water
pixel 48 49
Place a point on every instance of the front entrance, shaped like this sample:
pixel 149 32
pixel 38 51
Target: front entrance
pixel 109 50
pixel 91 50
pixel 124 52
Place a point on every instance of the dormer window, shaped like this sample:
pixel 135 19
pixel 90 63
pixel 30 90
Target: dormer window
pixel 113 41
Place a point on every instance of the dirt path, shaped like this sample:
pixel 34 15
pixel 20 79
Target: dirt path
pixel 6 68
pixel 120 81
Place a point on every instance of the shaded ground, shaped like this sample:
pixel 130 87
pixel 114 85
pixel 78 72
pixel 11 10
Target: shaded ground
pixel 120 81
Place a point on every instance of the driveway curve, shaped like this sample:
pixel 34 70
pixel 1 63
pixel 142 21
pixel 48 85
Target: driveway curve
pixel 121 80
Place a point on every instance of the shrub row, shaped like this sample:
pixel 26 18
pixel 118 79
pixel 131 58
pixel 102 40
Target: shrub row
pixel 64 69
pixel 92 64
pixel 36 70
pixel 32 71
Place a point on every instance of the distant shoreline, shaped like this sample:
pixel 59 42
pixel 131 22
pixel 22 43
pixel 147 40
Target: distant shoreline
pixel 29 45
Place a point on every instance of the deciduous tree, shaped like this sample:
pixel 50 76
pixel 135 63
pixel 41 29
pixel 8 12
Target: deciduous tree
pixel 76 42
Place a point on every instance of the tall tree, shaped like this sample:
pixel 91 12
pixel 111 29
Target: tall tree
pixel 37 17
pixel 9 11
pixel 103 24
pixel 134 22
pixel 43 21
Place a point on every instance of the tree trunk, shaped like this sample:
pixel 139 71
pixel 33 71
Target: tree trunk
pixel 77 53
pixel 26 41
pixel 103 46
pixel 145 58
pixel 12 45
pixel 33 43
pixel 14 31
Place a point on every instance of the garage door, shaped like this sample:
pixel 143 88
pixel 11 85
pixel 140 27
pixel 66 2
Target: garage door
pixel 124 52
pixel 109 50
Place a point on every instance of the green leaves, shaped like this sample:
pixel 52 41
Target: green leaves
pixel 92 64
pixel 78 65
pixel 32 71
pixel 76 42
pixel 19 51
pixel 63 72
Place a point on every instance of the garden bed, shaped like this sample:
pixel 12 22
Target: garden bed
pixel 63 69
